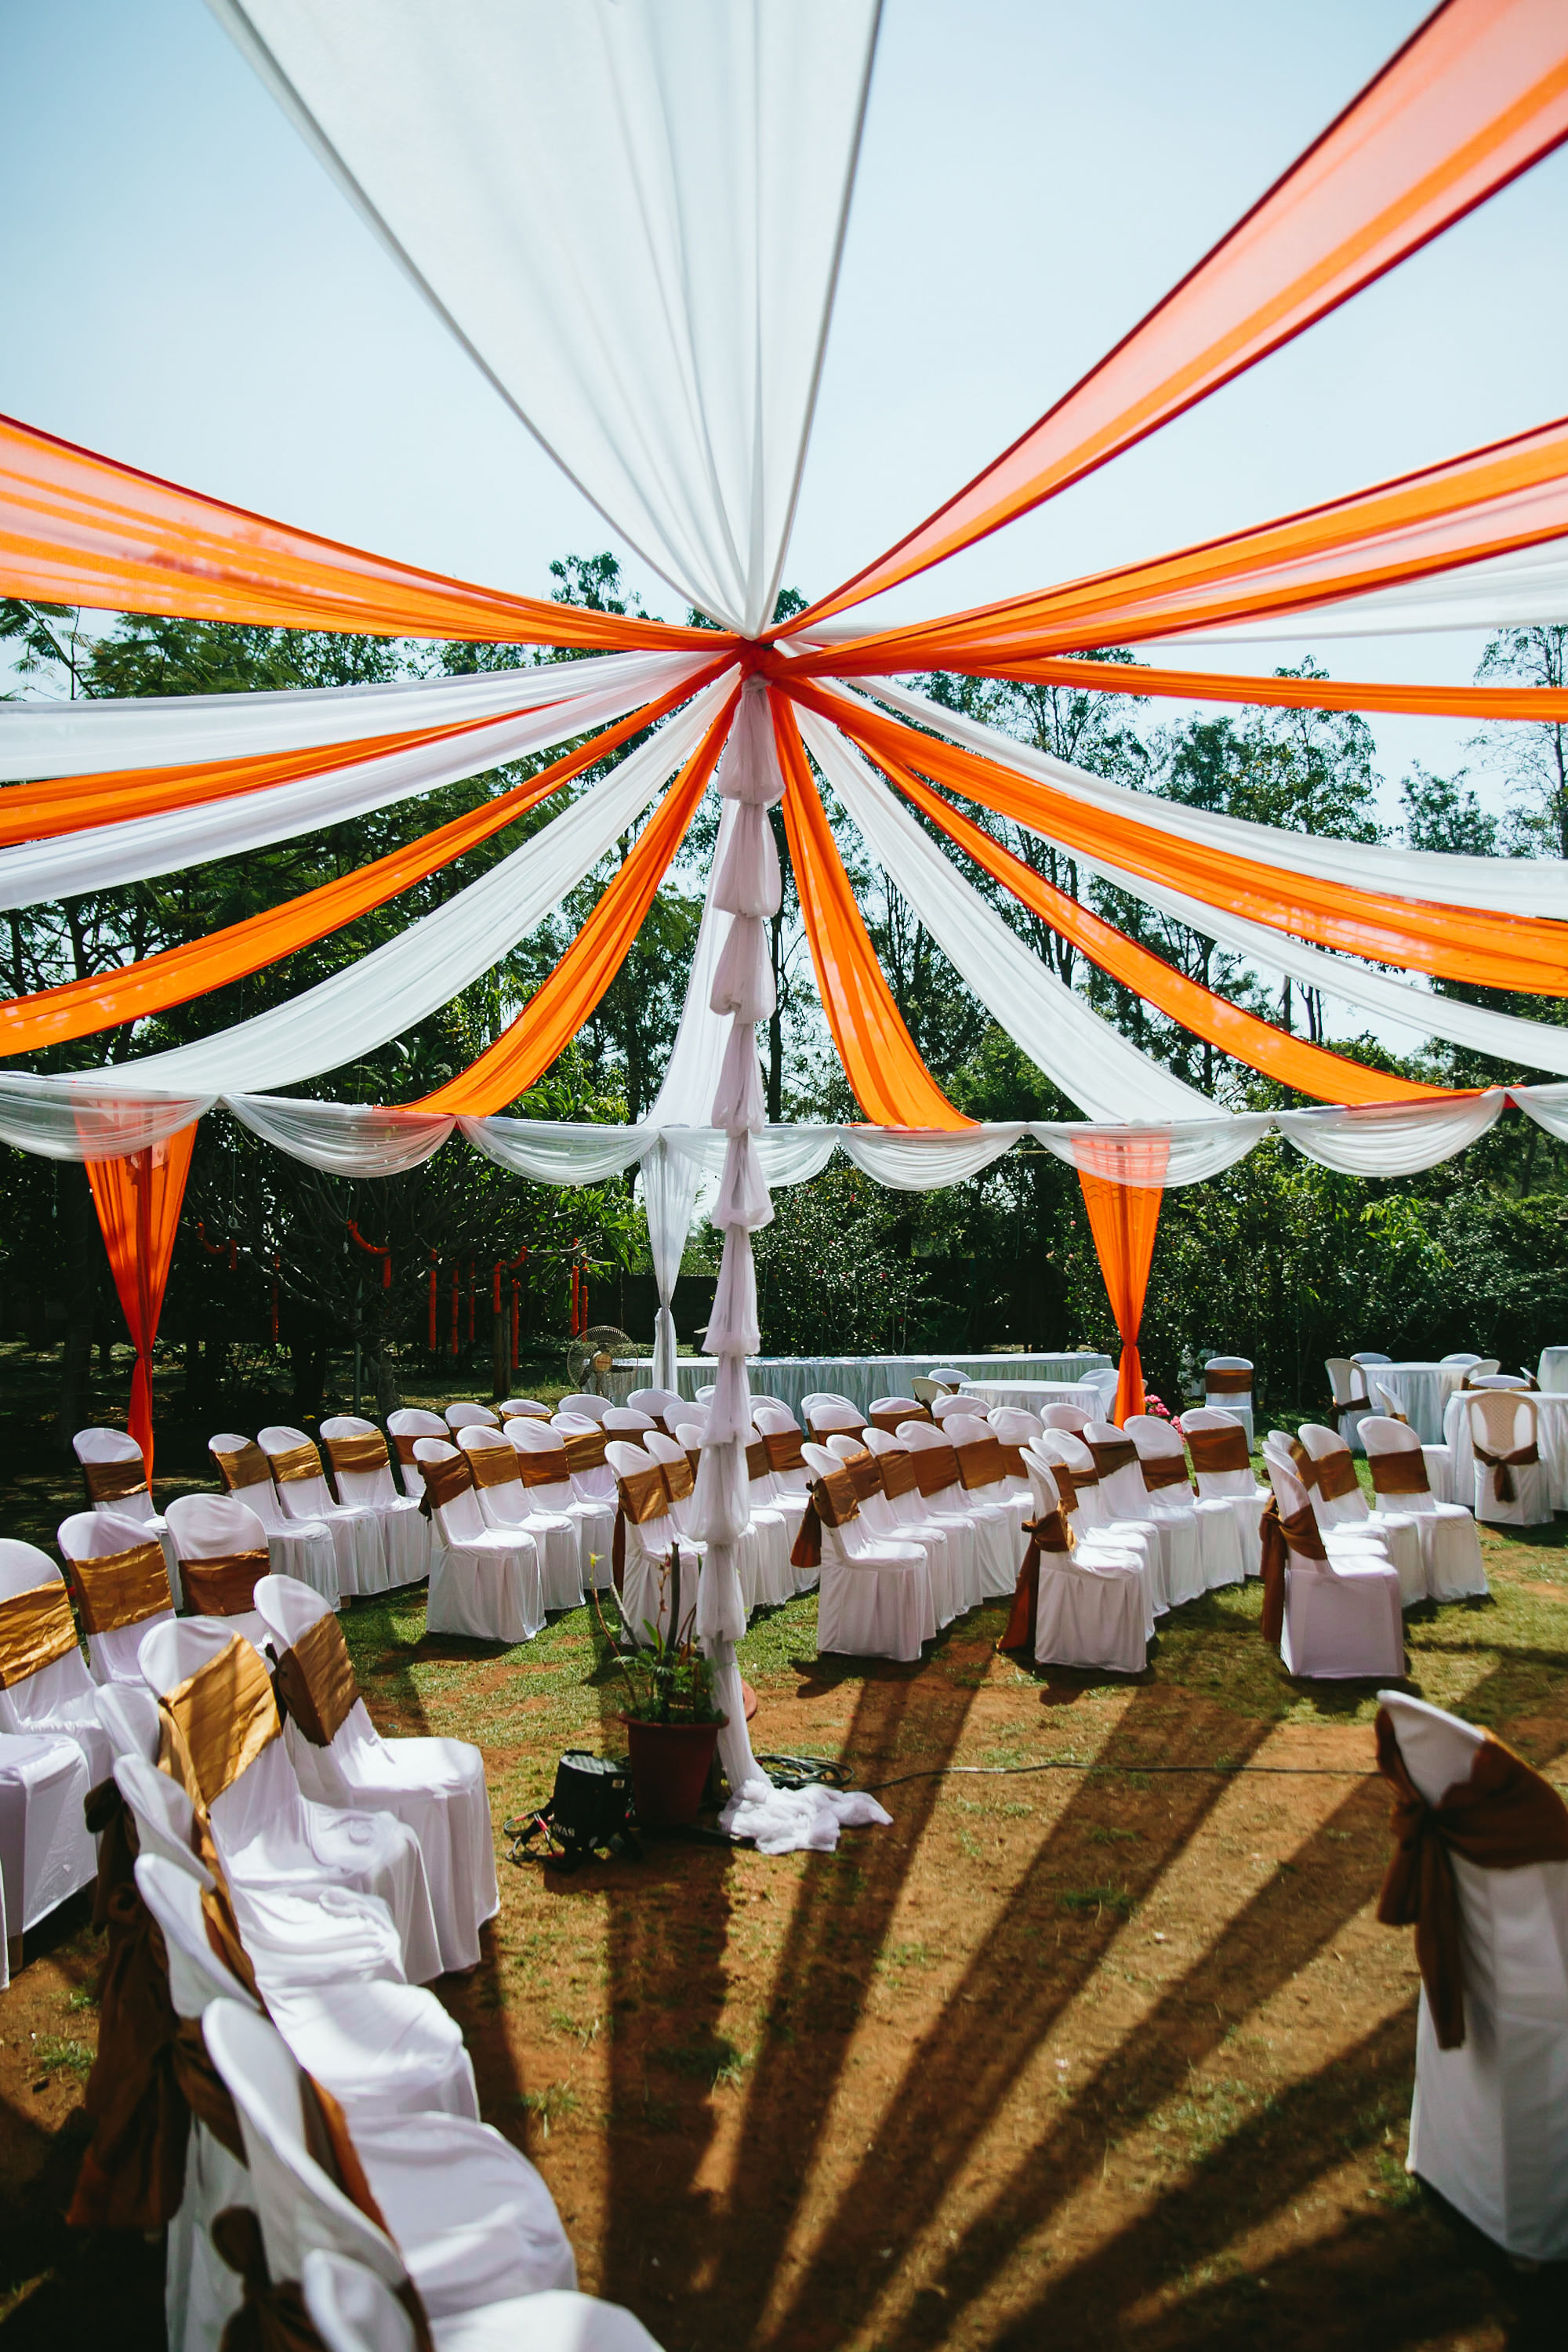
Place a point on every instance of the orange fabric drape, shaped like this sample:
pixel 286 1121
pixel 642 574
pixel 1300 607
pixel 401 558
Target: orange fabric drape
pixel 1122 1179
pixel 138 1202
pixel 1330 1076
pixel 1512 494
pixel 881 1061
pixel 1519 951
pixel 132 992
pixel 1539 703
pixel 557 1009
pixel 1478 94
pixel 77 528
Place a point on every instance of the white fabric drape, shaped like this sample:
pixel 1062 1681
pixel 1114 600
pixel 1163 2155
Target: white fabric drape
pixel 113 733
pixel 656 320
pixel 399 983
pixel 1547 1106
pixel 1392 1139
pixel 89 1118
pixel 1194 1149
pixel 1537 1044
pixel 1501 592
pixel 553 1152
pixel 669 1185
pixel 343 1138
pixel 910 1162
pixel 1097 1069
pixel 1497 886
pixel 106 855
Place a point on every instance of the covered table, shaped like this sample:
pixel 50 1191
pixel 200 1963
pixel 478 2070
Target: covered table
pixel 858 1378
pixel 1421 1391
pixel 1552 1371
pixel 1096 1396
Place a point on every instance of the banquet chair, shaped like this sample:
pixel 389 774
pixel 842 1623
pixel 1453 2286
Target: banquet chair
pixel 484 1582
pixel 1338 1502
pixel 875 1598
pixel 463 2214
pixel 706 1394
pixel 586 1402
pixel 1222 1468
pixel 505 1504
pixel 771 1493
pixel 1013 1427
pixel 1451 1551
pixel 1341 1617
pixel 467 1414
pixel 1228 1386
pixel 115 1475
pixel 886 1412
pixel 616 1420
pixel 547 1483
pixel 952 1401
pixel 1489 2123
pixel 361 1472
pixel 121 1584
pixel 1386 1406
pixel 405 1427
pixel 1089 1514
pixel 223 1551
pixel 54 1699
pixel 823 1410
pixel 592 1481
pixel 128 1714
pixel 1512 1381
pixel 435 1786
pixel 927 1390
pixel 1074 1418
pixel 948 1376
pixel 303 1493
pixel 996 1525
pixel 521 1408
pixel 781 1433
pixel 984 1471
pixel 1162 1459
pixel 268 1834
pixel 1090 1607
pixel 1128 1497
pixel 911 1511
pixel 47 1851
pixel 1352 1402
pixel 301 1548
pixel 770 1530
pixel 649 1540
pixel 355 2309
pixel 881 1520
pixel 1512 1485
pixel 662 1406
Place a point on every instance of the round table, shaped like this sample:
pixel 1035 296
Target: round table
pixel 1032 1396
pixel 1421 1391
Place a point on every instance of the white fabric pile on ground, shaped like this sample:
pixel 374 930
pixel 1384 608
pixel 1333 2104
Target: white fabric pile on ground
pixel 789 1821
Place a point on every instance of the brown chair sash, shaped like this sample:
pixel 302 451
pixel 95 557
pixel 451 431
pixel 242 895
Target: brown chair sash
pixel 1219 1449
pixel 834 1502
pixel 297 1461
pixel 936 1468
pixel 1278 1537
pixel 1164 1470
pixel 1050 1533
pixel 508 1412
pixel 202 2088
pixel 693 1460
pixel 890 1420
pixel 443 1481
pixel 900 1473
pixel 849 1429
pixel 216 1722
pixel 403 1446
pixel 757 1463
pixel 584 1450
pixel 357 1455
pixel 783 1449
pixel 111 1482
pixel 1012 1459
pixel 1504 1817
pixel 1399 1474
pixel 1067 1483
pixel 865 1470
pixel 316 1683
pixel 679 1479
pixel 979 1463
pixel 246 1467
pixel 1219 1381
pixel 1337 1476
pixel 222 1586
pixel 493 1466
pixel 543 1465
pixel 121 1588
pixel 133 2172
pixel 1307 1466
pixel 36 1629
pixel 1111 1455
pixel 1503 1466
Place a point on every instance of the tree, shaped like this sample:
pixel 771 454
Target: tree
pixel 1533 758
pixel 1444 812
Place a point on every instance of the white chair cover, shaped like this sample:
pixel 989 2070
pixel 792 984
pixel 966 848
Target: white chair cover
pixel 875 1598
pixel 1501 1421
pixel 1396 1531
pixel 592 1519
pixel 57 1701
pixel 1488 2127
pixel 118 1445
pixel 661 1405
pixel 585 1405
pixel 913 1515
pixel 1238 1489
pixel 436 1786
pixel 408 1421
pixel 1091 1517
pixel 353 2310
pixel 1351 1403
pixel 646 1596
pixel 467 1415
pixel 270 1836
pixel 470 2218
pixel 1074 1418
pixel 99 1534
pixel 46 1849
pixel 880 1519
pixel 767 1576
pixel 1176 1523
pixel 1450 1548
pixel 405 1530
pixel 1235 1401
pixel 522 1409
pixel 209 1526
pixel 1386 1404
pixel 595 1486
pixel 996 1525
pixel 128 1714
pixel 514 1506
pixel 483 1583
pixel 1220 1558
pixel 1342 1614
pixel 301 1548
pixel 356 1535
pixel 967 1427
pixel 1091 1610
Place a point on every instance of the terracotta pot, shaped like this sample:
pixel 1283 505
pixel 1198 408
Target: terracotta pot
pixel 669 1769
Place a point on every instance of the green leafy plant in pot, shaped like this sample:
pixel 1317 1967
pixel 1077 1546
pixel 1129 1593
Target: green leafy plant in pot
pixel 672 1724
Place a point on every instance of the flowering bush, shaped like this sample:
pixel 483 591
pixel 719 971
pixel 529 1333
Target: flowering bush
pixel 1161 1412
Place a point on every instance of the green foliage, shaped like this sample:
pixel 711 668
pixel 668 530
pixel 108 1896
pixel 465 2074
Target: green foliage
pixel 668 1678
pixel 830 1280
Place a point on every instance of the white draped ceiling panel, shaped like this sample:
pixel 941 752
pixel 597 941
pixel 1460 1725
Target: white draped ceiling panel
pixel 554 1153
pixel 1502 592
pixel 343 1138
pixel 90 1116
pixel 1392 1138
pixel 631 216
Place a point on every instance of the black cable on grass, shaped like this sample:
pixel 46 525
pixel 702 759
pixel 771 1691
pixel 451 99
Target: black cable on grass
pixel 1062 1764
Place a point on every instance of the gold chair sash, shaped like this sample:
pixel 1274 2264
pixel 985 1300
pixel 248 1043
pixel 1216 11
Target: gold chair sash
pixel 316 1682
pixel 679 1479
pixel 1278 1537
pixel 890 1420
pixel 1111 1455
pixel 584 1450
pixel 757 1463
pixel 1219 1449
pixel 297 1461
pixel 1219 1381
pixel 246 1467
pixel 493 1466
pixel 121 1588
pixel 1307 1466
pixel 1162 1470
pixel 936 1468
pixel 979 1463
pixel 1012 1459
pixel 900 1473
pixel 865 1470
pixel 1399 1474
pixel 833 1503
pixel 216 1722
pixel 542 1466
pixel 36 1629
pixel 643 1494
pixel 223 1586
pixel 783 1449
pixel 111 1482
pixel 404 1446
pixel 357 1455
pixel 1336 1477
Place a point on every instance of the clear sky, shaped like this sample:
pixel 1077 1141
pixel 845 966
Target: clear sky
pixel 189 292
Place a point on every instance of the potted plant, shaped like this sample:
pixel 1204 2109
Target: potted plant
pixel 672 1724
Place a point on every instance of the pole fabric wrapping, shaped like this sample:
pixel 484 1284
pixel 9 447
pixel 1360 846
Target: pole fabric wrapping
pixel 1122 1180
pixel 137 1202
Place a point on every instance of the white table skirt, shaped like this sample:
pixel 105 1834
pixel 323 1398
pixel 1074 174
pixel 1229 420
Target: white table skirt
pixel 1032 1396
pixel 1552 1373
pixel 858 1378
pixel 1422 1392
pixel 1552 1437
